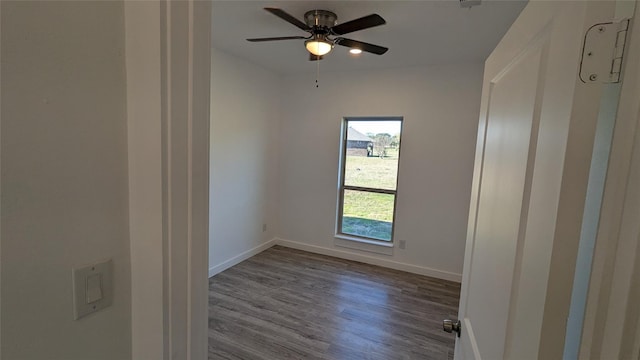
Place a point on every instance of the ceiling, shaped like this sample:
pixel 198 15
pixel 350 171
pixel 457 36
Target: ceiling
pixel 417 33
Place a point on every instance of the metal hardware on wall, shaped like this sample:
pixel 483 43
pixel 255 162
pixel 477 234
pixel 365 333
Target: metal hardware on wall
pixel 450 326
pixel 603 52
pixel 469 3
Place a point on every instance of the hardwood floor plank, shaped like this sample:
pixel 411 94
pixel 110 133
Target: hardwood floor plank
pixel 290 304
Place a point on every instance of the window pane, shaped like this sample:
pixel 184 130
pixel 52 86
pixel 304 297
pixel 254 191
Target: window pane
pixel 372 154
pixel 367 214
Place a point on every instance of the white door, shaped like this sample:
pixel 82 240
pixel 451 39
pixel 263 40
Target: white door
pixel 535 141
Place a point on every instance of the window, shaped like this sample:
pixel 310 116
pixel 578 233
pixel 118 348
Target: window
pixel 369 178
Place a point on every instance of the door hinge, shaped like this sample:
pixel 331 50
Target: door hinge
pixel 603 51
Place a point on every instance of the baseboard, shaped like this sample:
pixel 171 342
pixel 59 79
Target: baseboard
pixel 241 257
pixel 421 270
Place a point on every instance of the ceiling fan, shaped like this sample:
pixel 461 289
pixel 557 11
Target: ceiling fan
pixel 322 25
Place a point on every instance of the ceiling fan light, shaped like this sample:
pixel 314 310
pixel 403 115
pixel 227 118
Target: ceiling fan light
pixel 318 47
pixel 355 51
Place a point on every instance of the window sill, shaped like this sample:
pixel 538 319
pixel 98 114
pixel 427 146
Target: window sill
pixel 374 246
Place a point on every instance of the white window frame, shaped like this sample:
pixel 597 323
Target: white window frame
pixel 340 235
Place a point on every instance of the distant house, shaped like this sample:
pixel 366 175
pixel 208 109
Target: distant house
pixel 358 144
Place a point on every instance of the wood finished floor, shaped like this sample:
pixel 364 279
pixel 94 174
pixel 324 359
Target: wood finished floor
pixel 290 304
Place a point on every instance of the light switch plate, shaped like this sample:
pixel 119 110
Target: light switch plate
pixel 92 288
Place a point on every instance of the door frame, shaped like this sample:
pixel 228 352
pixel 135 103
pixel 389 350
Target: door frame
pixel 170 157
pixel 168 59
pixel 611 323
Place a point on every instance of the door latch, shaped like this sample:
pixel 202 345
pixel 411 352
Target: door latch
pixel 450 326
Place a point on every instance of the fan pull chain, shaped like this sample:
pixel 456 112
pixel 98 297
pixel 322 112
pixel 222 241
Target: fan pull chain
pixel 317 71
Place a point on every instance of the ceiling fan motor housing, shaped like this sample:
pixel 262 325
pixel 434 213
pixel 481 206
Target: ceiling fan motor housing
pixel 323 26
pixel 320 19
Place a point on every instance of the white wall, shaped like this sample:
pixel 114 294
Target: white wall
pixel 245 104
pixel 64 176
pixel 440 106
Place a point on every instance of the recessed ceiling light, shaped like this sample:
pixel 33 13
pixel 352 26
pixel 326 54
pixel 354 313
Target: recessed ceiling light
pixel 355 51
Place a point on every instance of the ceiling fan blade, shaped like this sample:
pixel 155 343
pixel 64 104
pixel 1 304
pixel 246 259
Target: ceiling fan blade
pixel 277 38
pixel 354 44
pixel 358 24
pixel 315 57
pixel 288 18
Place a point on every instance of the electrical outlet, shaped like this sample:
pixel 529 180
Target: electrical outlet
pixel 403 244
pixel 469 3
pixel 264 227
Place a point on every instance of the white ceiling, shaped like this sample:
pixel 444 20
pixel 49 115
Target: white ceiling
pixel 417 32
